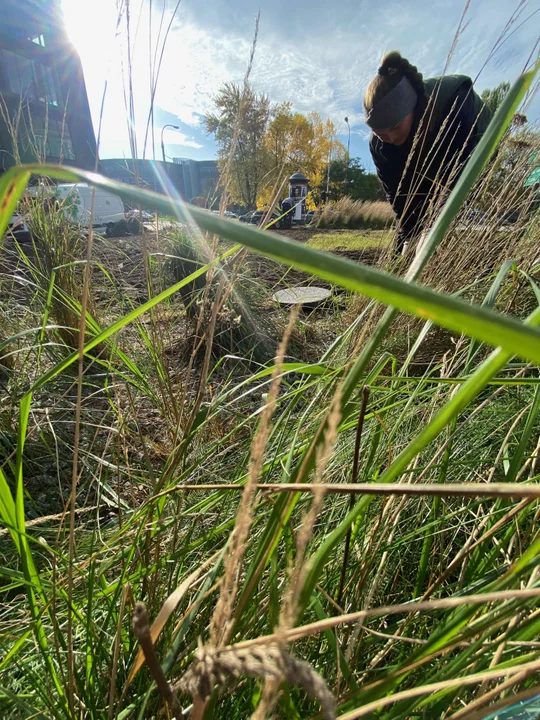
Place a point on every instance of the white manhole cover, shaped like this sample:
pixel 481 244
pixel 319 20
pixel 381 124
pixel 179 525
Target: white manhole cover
pixel 302 295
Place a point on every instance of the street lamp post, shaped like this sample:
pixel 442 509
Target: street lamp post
pixel 176 127
pixel 348 151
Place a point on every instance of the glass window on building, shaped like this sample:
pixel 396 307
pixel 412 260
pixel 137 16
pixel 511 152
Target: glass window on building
pixel 48 85
pixel 27 78
pixel 32 80
pixel 46 139
pixel 20 76
pixel 11 71
pixel 59 143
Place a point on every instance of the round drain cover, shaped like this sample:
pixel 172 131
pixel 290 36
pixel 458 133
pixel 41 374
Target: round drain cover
pixel 302 295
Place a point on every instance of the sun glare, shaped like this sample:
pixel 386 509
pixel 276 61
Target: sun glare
pixel 90 27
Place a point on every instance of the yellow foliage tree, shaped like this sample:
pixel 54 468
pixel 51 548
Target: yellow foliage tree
pixel 297 143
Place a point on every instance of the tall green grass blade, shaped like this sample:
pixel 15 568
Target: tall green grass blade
pixel 19 486
pixel 126 320
pixel 519 453
pixel 35 589
pixel 12 186
pixel 460 400
pixel 489 301
pixel 8 513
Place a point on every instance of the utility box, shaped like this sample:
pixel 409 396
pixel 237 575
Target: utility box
pixel 295 205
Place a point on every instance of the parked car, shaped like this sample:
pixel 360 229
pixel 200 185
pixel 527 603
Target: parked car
pixel 108 208
pixel 259 215
pixel 255 217
pixel 227 213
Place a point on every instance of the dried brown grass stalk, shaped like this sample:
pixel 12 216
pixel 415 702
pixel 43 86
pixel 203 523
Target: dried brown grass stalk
pixel 520 671
pixel 213 666
pixel 212 307
pixel 346 212
pixel 488 490
pixel 141 629
pixel 221 622
pixel 298 573
pixel 411 607
pixel 297 577
pixel 225 176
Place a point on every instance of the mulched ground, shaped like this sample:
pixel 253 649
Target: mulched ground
pixel 123 257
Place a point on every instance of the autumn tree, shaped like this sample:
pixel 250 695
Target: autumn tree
pixel 296 142
pixel 239 124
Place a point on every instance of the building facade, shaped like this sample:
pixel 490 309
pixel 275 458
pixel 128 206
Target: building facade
pixel 182 178
pixel 201 177
pixel 44 111
pixel 165 178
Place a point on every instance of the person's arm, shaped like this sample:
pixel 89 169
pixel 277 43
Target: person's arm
pixel 387 180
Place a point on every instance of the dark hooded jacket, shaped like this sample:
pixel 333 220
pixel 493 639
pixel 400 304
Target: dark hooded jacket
pixel 456 119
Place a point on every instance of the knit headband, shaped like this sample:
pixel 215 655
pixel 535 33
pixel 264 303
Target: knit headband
pixel 395 106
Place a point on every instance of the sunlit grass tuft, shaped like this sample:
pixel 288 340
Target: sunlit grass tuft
pixel 351 241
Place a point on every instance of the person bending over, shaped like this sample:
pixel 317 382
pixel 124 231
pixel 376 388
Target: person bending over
pixel 423 132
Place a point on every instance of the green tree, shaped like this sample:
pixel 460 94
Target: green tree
pixel 493 98
pixel 239 124
pixel 512 163
pixel 199 201
pixel 353 181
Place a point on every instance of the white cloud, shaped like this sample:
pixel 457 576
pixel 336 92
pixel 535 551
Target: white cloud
pixel 325 66
pixel 321 60
pixel 194 67
pixel 175 137
pixel 192 144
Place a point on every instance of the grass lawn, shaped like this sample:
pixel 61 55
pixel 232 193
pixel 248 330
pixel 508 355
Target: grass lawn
pixel 351 240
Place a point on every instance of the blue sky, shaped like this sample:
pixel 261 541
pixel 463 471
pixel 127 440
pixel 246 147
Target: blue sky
pixel 320 57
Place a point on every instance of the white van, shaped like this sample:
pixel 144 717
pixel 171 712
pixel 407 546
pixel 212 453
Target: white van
pixel 75 199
